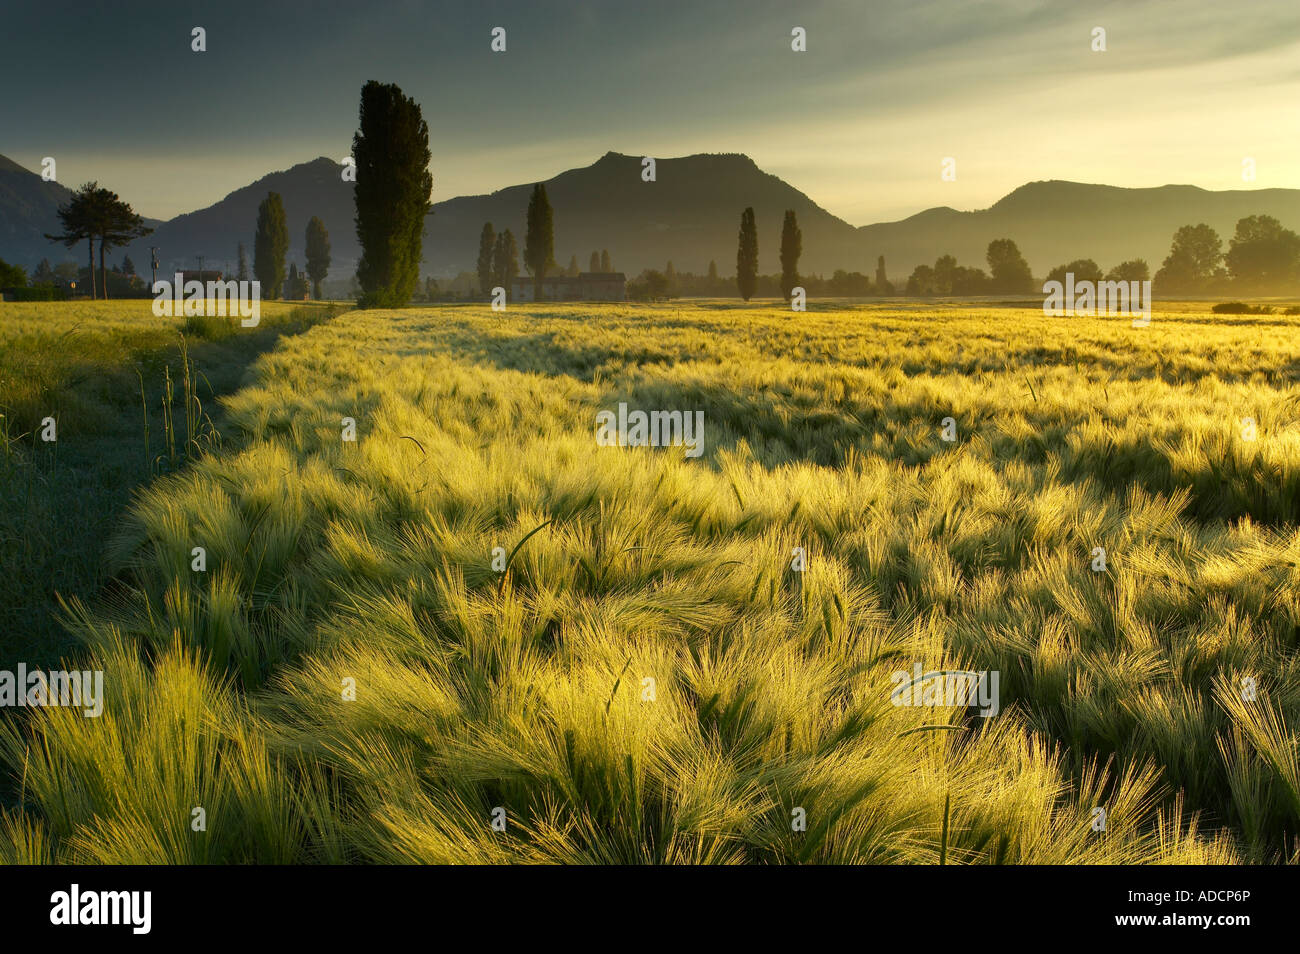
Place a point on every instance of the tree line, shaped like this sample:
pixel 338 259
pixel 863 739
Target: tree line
pixel 654 284
pixel 1262 257
pixel 498 254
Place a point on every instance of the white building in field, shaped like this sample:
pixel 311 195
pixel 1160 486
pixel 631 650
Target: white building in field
pixel 588 286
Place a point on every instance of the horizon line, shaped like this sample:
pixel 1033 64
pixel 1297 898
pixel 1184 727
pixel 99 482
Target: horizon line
pixel 695 155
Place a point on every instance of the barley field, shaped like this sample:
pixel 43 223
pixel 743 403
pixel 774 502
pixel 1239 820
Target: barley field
pixel 474 634
pixel 132 396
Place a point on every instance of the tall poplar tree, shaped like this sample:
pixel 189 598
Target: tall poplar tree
pixel 505 261
pixel 487 240
pixel 539 241
pixel 747 256
pixel 270 245
pixel 391 150
pixel 791 249
pixel 318 253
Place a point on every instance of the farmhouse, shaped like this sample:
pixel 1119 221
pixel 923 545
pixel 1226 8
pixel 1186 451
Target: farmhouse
pixel 203 276
pixel 588 286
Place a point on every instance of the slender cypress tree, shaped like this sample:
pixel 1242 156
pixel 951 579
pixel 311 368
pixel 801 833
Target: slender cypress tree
pixel 594 266
pixel 539 241
pixel 747 256
pixel 391 150
pixel 270 245
pixel 605 264
pixel 791 248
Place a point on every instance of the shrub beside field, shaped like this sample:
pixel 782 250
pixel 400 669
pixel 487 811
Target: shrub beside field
pixel 650 680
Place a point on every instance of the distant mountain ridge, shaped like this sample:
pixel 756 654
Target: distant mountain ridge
pixel 28 208
pixel 1055 222
pixel 690 215
pixel 309 188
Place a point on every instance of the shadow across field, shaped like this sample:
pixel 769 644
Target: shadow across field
pixel 118 426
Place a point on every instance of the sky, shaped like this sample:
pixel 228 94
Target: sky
pixel 861 121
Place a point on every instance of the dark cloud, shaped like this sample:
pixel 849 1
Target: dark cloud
pixel 279 81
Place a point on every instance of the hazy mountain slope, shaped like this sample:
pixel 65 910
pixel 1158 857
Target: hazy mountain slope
pixel 1056 222
pixel 690 214
pixel 307 189
pixel 28 209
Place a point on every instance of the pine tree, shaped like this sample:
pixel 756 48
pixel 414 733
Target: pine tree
pixel 747 256
pixel 882 283
pixel 97 213
pixel 594 265
pixel 573 271
pixel 77 218
pixel 605 264
pixel 487 240
pixel 791 248
pixel 119 225
pixel 270 245
pixel 391 150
